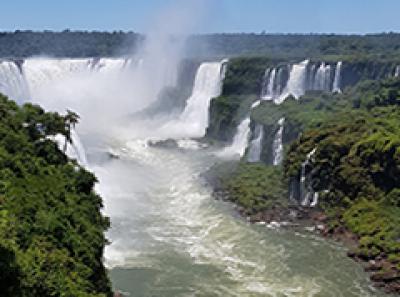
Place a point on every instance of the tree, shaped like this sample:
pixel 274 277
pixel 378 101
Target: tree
pixel 70 120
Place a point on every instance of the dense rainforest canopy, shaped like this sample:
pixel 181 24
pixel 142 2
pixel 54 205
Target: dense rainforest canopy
pixel 51 227
pixel 20 44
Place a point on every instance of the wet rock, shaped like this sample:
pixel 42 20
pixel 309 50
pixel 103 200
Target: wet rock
pixel 373 266
pixel 256 218
pixel 387 276
pixel 319 217
pixel 351 254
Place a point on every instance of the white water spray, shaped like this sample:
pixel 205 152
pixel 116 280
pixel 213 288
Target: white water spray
pixel 277 145
pixel 397 71
pixel 255 148
pixel 302 78
pixel 12 81
pixel 306 192
pixel 322 78
pixel 268 90
pixel 194 119
pixel 240 141
pixel 296 85
pixel 337 79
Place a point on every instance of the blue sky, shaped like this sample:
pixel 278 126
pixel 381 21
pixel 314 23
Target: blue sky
pixel 297 16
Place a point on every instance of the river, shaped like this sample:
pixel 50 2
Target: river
pixel 169 237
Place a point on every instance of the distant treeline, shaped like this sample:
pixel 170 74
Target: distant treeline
pixel 20 44
pixel 298 45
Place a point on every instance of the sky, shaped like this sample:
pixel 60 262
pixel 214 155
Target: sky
pixel 212 16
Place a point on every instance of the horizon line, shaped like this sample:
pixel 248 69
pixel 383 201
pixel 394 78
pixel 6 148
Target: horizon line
pixel 262 33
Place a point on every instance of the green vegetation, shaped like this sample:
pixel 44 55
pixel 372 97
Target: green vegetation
pixel 243 84
pixel 20 44
pixel 255 187
pixel 356 167
pixel 298 45
pixel 244 75
pixel 51 227
pixel 227 113
pixel 75 44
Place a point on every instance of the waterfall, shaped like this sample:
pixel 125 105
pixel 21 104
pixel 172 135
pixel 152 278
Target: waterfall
pixel 12 81
pixel 272 84
pixel 296 85
pixel 302 78
pixel 79 149
pixel 314 201
pixel 322 78
pixel 255 104
pixel 107 64
pixel 279 82
pixel 306 191
pixel 75 150
pixel 319 78
pixel 240 140
pixel 337 79
pixel 39 72
pixel 21 83
pixel 267 92
pixel 311 77
pixel 33 80
pixel 277 145
pixel 254 154
pixel 397 71
pixel 207 85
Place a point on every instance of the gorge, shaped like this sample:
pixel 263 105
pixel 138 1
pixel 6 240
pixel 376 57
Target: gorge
pixel 168 234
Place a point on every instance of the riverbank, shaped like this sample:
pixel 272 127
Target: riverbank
pixel 231 180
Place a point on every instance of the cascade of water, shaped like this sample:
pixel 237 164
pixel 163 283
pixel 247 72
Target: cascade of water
pixel 39 72
pixel 207 85
pixel 240 140
pixel 337 79
pixel 255 104
pixel 296 85
pixel 397 71
pixel 39 80
pixel 328 80
pixel 75 150
pixel 79 149
pixel 255 148
pixel 301 79
pixel 311 77
pixel 277 145
pixel 318 78
pixel 108 64
pixel 268 90
pixel 322 80
pixel 314 200
pixel 12 81
pixel 306 192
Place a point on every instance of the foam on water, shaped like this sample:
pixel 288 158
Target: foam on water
pixel 167 226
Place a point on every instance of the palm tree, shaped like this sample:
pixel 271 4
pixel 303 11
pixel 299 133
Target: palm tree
pixel 70 120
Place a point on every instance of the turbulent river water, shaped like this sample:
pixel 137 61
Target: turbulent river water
pixel 169 236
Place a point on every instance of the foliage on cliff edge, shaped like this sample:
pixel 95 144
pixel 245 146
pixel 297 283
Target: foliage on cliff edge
pixel 51 227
